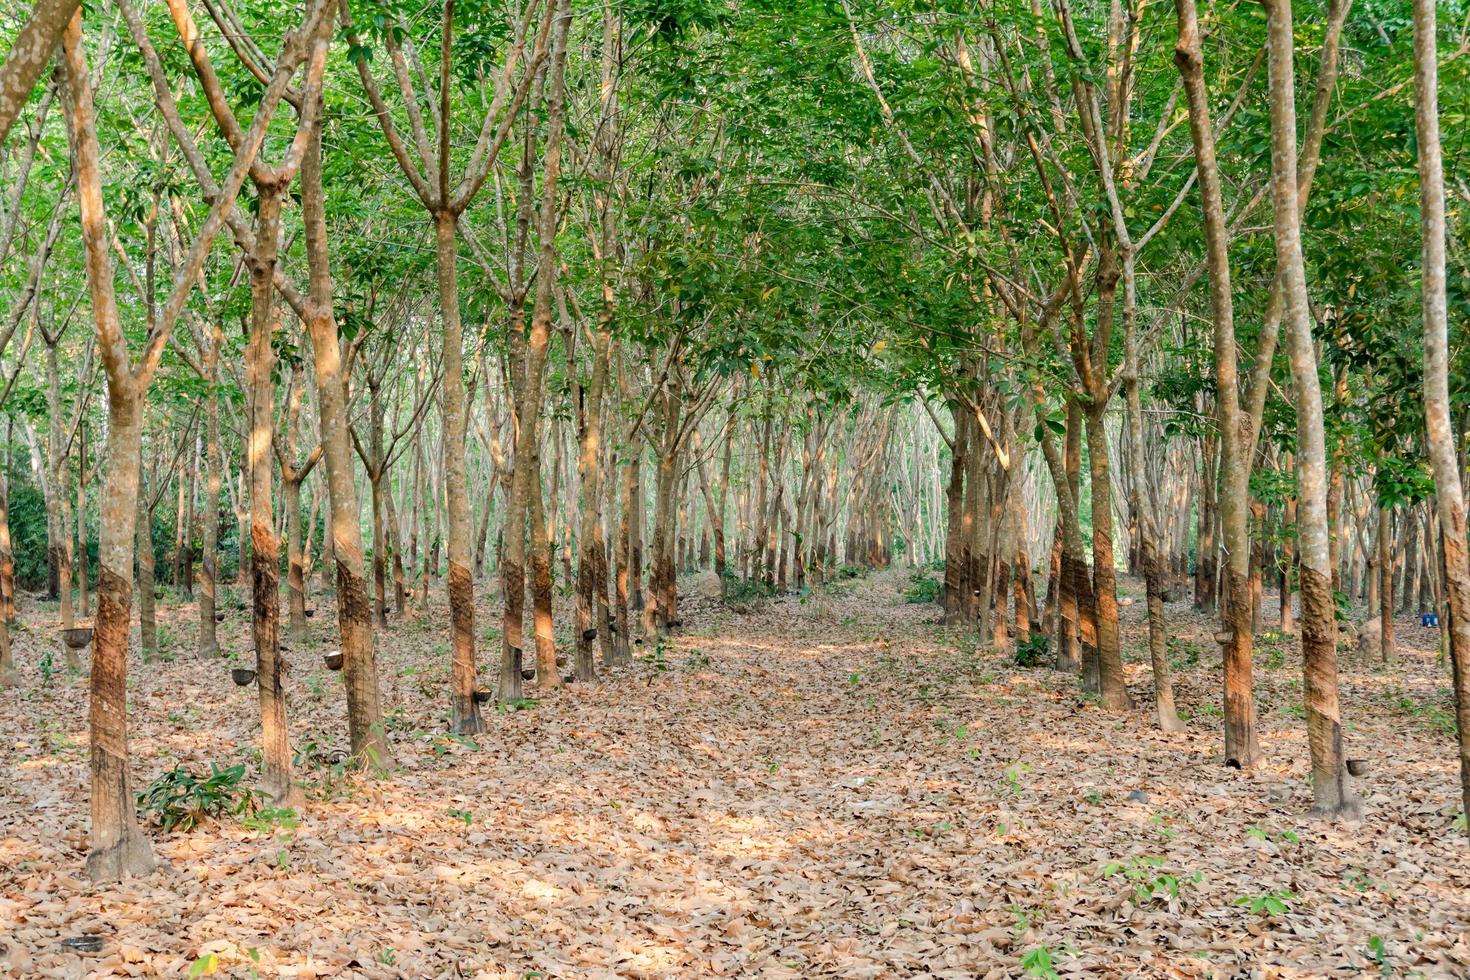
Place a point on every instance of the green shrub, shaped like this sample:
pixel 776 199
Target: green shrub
pixel 740 591
pixel 1031 652
pixel 922 588
pixel 179 799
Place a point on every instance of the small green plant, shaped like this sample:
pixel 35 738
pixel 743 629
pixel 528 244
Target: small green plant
pixel 1378 953
pixel 1011 780
pixel 1026 917
pixel 318 755
pixel 1268 904
pixel 696 658
pixel 204 966
pixel 270 819
pixel 1040 962
pixel 388 957
pixel 48 669
pixel 463 815
pixel 741 594
pixel 1032 651
pixel 520 704
pixel 443 743
pixel 1259 833
pixel 178 799
pixel 922 588
pixel 1182 653
pixel 1151 883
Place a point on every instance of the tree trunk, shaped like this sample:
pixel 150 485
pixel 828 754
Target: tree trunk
pixel 380 548
pixel 8 675
pixel 265 549
pixel 592 610
pixel 1385 582
pixel 116 844
pixel 395 546
pixel 464 714
pixel 1241 746
pixel 213 482
pixel 147 607
pixel 1440 435
pixel 29 55
pixel 1153 569
pixel 295 559
pixel 548 674
pixel 1114 688
pixel 1330 789
pixel 81 520
pixel 354 611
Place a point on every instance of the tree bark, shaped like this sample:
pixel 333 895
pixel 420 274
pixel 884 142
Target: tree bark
pixel 1385 582
pixel 265 549
pixel 464 714
pixel 1114 689
pixel 1439 430
pixel 116 844
pixel 354 610
pixel 213 482
pixel 1331 793
pixel 1241 746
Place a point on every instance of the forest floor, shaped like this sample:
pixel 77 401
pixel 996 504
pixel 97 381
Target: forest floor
pixel 829 787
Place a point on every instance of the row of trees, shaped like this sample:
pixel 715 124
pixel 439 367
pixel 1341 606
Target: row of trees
pixel 433 290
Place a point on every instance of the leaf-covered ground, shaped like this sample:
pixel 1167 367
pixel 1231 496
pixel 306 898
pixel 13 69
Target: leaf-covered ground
pixel 834 787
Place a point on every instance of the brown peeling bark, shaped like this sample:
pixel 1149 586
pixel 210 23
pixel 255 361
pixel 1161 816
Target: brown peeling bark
pixel 464 713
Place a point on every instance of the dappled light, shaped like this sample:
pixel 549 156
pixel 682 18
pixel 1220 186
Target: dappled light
pixel 759 810
pixel 745 488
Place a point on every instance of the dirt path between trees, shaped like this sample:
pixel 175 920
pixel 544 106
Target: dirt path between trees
pixel 834 787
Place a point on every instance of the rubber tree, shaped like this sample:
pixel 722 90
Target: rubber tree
pixel 272 183
pixel 1330 790
pixel 117 846
pixel 1439 429
pixel 427 168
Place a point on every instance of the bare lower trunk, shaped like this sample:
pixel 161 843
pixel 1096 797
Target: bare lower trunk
pixel 1385 583
pixel 547 672
pixel 395 546
pixel 1153 569
pixel 209 525
pixel 1241 747
pixel 116 845
pixel 8 675
pixel 147 605
pixel 295 559
pixel 81 520
pixel 592 613
pixel 464 714
pixel 1114 689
